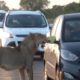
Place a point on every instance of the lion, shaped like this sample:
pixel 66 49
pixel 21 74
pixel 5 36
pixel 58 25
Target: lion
pixel 22 57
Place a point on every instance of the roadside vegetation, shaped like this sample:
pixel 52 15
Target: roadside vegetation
pixel 57 10
pixel 42 6
pixel 52 12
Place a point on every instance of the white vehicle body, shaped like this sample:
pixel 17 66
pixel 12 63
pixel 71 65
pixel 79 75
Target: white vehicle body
pixel 17 34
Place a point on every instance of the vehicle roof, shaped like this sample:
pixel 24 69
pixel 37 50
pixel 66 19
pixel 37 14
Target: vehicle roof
pixel 2 11
pixel 24 12
pixel 71 15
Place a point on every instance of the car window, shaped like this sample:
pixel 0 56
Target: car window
pixel 71 30
pixel 2 16
pixel 25 21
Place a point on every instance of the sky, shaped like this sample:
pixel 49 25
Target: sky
pixel 12 3
pixel 15 3
pixel 61 2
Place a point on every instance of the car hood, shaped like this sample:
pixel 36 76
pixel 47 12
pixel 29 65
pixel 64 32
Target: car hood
pixel 26 31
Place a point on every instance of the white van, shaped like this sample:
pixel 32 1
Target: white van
pixel 18 24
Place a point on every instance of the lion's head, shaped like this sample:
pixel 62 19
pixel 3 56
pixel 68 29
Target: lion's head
pixel 32 41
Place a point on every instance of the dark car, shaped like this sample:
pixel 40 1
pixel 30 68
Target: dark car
pixel 62 55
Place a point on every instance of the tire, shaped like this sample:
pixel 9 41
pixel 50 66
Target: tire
pixel 46 75
pixel 58 73
pixel 42 56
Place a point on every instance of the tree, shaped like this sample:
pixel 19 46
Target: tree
pixel 72 7
pixel 34 4
pixel 59 10
pixel 3 5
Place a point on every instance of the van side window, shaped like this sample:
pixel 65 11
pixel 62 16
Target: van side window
pixel 2 16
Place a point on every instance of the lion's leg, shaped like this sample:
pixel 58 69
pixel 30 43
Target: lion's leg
pixel 30 73
pixel 29 66
pixel 22 74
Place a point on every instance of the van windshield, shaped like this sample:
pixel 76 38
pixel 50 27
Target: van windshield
pixel 71 30
pixel 25 21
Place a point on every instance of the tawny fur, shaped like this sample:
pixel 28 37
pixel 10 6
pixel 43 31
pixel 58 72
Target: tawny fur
pixel 21 58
